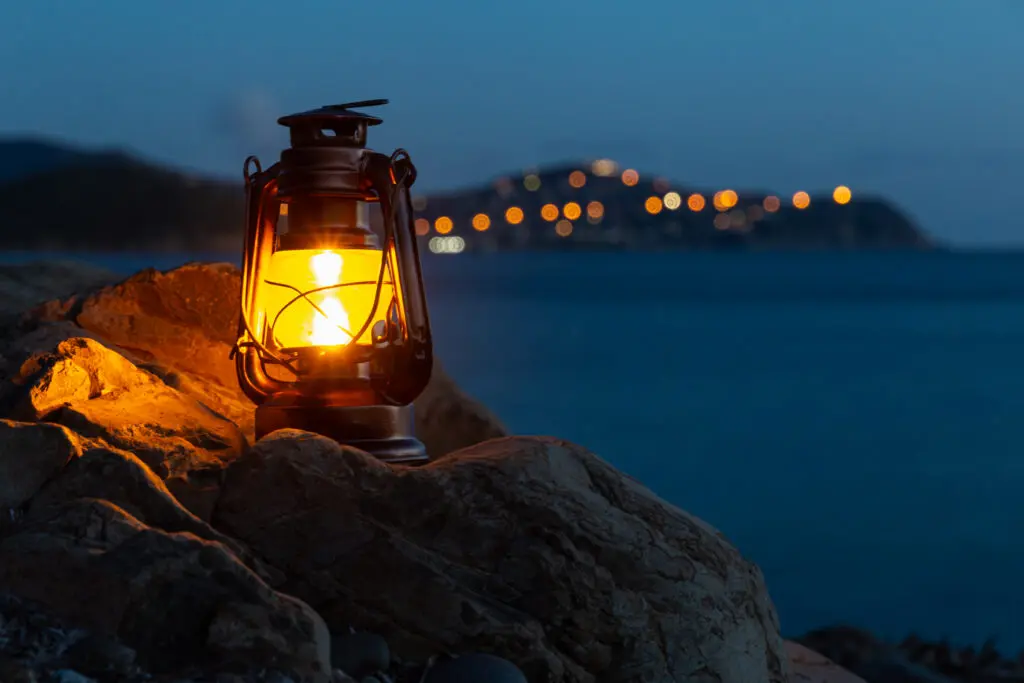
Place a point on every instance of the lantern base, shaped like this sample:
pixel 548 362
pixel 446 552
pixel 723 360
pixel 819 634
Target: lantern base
pixel 385 432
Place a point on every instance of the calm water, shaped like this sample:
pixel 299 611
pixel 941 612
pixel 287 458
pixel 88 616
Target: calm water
pixel 853 422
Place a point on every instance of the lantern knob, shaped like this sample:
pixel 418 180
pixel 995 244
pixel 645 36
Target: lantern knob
pixel 334 124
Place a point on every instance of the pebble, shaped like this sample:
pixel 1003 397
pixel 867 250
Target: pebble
pixel 475 668
pixel 360 654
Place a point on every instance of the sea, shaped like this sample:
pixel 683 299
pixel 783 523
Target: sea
pixel 852 422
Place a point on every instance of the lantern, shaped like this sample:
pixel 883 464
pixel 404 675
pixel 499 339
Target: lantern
pixel 334 336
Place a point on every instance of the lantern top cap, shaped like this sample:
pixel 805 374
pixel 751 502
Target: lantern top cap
pixel 334 114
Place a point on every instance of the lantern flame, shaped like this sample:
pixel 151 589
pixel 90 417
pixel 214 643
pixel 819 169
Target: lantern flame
pixel 330 325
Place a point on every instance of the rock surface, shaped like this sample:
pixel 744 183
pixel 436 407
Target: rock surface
pixel 529 547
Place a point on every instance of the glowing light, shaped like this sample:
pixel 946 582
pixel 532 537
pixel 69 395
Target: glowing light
pixel 842 195
pixel 722 221
pixel 696 202
pixel 725 200
pixel 419 203
pixel 595 209
pixel 572 211
pixel 577 179
pixel 672 201
pixel 771 203
pixel 549 212
pixel 331 322
pixel 604 168
pixel 563 228
pixel 481 222
pixel 422 226
pixel 446 245
pixel 801 200
pixel 630 177
pixel 532 182
pixel 514 215
pixel 653 205
pixel 443 225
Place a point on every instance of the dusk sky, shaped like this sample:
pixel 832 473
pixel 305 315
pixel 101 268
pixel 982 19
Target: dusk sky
pixel 922 100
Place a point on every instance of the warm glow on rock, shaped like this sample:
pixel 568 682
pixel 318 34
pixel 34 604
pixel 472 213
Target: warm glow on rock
pixel 801 200
pixel 443 225
pixel 572 211
pixel 514 215
pixel 842 195
pixel 577 179
pixel 696 202
pixel 630 177
pixel 653 205
pixel 481 222
pixel 549 212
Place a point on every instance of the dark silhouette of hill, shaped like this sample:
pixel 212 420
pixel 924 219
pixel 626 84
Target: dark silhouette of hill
pixel 76 200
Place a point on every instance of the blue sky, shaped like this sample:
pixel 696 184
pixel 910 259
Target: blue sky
pixel 922 100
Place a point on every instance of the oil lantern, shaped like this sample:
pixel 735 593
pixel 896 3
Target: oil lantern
pixel 334 336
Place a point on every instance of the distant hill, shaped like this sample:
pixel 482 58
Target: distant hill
pixel 57 198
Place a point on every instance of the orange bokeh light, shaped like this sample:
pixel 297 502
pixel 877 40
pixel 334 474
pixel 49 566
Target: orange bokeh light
pixel 572 211
pixel 577 179
pixel 422 226
pixel 443 225
pixel 549 212
pixel 801 200
pixel 563 228
pixel 481 222
pixel 696 202
pixel 771 203
pixel 653 205
pixel 842 195
pixel 595 209
pixel 630 177
pixel 514 215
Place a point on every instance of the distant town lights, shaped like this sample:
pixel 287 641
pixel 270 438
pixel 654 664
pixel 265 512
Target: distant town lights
pixel 549 212
pixel 630 177
pixel 572 211
pixel 532 182
pixel 842 195
pixel 446 245
pixel 672 201
pixel 653 205
pixel 801 200
pixel 771 203
pixel 577 179
pixel 563 228
pixel 422 226
pixel 514 215
pixel 604 168
pixel 696 202
pixel 481 222
pixel 443 225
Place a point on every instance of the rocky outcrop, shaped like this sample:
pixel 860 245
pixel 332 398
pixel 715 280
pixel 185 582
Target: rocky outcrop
pixel 143 537
pixel 180 325
pixel 25 285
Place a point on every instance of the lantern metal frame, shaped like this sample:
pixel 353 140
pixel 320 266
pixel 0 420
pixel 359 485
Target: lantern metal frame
pixel 356 394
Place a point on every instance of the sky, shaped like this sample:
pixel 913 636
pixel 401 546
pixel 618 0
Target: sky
pixel 920 100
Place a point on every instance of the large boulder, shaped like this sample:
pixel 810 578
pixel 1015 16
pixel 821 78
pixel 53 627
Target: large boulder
pixel 527 547
pixel 181 324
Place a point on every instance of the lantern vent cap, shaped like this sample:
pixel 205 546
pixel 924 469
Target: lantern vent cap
pixel 334 114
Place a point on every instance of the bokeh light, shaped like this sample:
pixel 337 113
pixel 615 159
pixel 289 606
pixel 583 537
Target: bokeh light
pixel 446 245
pixel 549 212
pixel 563 228
pixel 514 215
pixel 729 198
pixel 842 195
pixel 481 222
pixel 801 200
pixel 532 182
pixel 722 221
pixel 443 225
pixel 771 203
pixel 604 168
pixel 653 205
pixel 696 202
pixel 672 201
pixel 422 226
pixel 572 211
pixel 630 177
pixel 577 179
pixel 595 210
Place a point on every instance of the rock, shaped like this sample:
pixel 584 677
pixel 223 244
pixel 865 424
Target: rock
pixel 29 455
pixel 25 285
pixel 475 668
pixel 175 599
pixel 100 657
pixel 807 666
pixel 102 395
pixel 529 547
pixel 360 654
pixel 181 324
pixel 870 658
